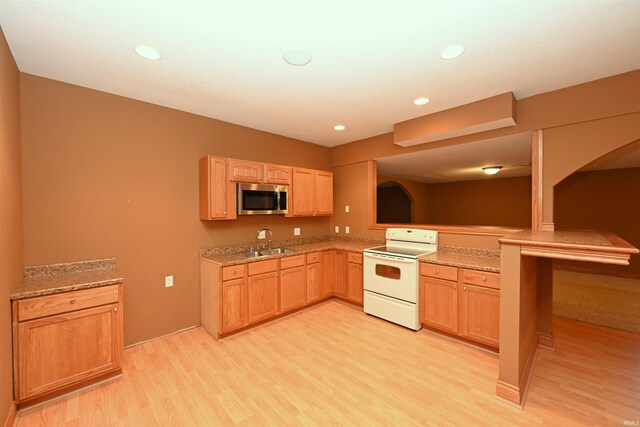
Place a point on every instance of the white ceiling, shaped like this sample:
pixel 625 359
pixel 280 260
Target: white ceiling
pixel 463 162
pixel 371 59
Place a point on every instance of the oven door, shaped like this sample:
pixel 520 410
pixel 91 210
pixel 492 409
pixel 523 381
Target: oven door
pixel 391 276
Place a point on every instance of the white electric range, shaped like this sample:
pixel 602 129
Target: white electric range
pixel 391 275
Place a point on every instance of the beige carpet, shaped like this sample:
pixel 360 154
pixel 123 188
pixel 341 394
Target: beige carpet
pixel 601 300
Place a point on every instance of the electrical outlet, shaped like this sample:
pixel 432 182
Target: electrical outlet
pixel 337 228
pixel 296 231
pixel 262 234
pixel 346 208
pixel 168 281
pixel 346 229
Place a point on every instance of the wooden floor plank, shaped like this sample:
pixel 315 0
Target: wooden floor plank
pixel 334 365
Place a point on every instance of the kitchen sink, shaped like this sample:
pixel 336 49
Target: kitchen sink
pixel 278 251
pixel 274 251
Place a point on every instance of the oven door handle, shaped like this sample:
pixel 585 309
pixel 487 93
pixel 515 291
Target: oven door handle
pixel 381 257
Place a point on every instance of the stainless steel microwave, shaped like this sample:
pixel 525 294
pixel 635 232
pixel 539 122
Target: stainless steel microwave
pixel 262 199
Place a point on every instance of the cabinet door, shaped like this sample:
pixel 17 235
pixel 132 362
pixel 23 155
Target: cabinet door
pixel 293 288
pixel 262 296
pixel 245 171
pixel 481 314
pixel 340 273
pixel 234 305
pixel 439 303
pixel 60 350
pixel 303 192
pixel 314 282
pixel 328 273
pixel 324 193
pixel 275 174
pixel 355 291
pixel 217 194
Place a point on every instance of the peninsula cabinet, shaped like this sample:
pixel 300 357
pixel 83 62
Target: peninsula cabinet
pixel 461 301
pixel 217 193
pixel 65 341
pixel 312 192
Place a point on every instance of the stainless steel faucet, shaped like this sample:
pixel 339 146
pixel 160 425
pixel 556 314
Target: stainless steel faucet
pixel 268 242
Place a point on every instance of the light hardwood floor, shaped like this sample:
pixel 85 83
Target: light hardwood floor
pixel 334 365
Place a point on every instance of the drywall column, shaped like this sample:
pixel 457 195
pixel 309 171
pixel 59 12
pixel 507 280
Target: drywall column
pixel 518 322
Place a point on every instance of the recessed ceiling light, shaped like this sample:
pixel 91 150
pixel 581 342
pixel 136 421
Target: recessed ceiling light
pixel 492 170
pixel 339 127
pixel 297 57
pixel 452 51
pixel 421 101
pixel 147 52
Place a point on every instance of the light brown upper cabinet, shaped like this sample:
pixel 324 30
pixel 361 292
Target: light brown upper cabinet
pixel 217 194
pixel 247 171
pixel 312 192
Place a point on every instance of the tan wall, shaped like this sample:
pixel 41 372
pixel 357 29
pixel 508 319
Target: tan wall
pixel 107 176
pixel 581 123
pixel 569 148
pixel 419 193
pixel 11 258
pixel 597 200
pixel 504 202
pixel 351 188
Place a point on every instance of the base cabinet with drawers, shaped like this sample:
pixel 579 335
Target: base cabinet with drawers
pixel 66 341
pixel 237 296
pixel 461 301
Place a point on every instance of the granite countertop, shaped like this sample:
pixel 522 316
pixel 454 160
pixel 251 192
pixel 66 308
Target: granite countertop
pixel 477 259
pixel 226 256
pixel 57 278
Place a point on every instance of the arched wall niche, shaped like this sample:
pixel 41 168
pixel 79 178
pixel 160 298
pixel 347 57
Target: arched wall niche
pixel 396 204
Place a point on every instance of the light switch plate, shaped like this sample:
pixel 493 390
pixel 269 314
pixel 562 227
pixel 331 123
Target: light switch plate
pixel 296 231
pixel 346 208
pixel 262 234
pixel 337 228
pixel 168 281
pixel 346 229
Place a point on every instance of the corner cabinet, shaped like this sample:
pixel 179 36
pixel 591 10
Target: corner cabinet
pixel 217 193
pixel 66 341
pixel 312 192
pixel 461 301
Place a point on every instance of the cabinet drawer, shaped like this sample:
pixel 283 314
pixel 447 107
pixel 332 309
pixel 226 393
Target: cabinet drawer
pixel 292 261
pixel 263 267
pixel 313 258
pixel 233 272
pixel 33 308
pixel 354 257
pixel 439 271
pixel 481 278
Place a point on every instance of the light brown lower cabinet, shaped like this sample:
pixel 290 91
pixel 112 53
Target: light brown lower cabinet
pixel 461 301
pixel 66 340
pixel 314 277
pixel 262 296
pixel 238 296
pixel 340 273
pixel 355 288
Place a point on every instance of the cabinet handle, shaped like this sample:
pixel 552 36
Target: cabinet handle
pixel 72 301
pixel 115 309
pixel 465 288
pixel 484 278
pixel 225 212
pixel 437 271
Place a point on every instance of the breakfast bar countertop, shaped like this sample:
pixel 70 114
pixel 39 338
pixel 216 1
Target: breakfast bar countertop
pixel 57 278
pixel 477 259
